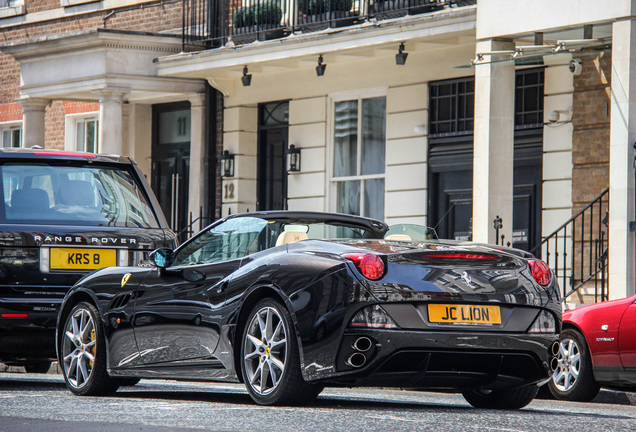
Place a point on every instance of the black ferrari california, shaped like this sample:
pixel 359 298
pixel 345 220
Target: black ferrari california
pixel 291 302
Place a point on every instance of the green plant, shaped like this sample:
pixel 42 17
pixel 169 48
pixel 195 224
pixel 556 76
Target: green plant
pixel 313 7
pixel 243 17
pixel 266 12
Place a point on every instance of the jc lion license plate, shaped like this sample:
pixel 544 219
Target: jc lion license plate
pixel 82 259
pixel 464 314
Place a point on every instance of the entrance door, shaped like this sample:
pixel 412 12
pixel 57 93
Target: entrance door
pixel 451 201
pixel 272 145
pixel 171 161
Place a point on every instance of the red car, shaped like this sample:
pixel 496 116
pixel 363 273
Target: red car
pixel 597 349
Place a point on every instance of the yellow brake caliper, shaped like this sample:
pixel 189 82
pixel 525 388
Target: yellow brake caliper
pixel 93 347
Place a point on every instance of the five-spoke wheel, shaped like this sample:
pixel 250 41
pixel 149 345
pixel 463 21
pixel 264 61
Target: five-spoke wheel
pixel 573 378
pixel 270 359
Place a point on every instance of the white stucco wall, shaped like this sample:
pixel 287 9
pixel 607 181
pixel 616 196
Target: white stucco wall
pixel 501 18
pixel 310 128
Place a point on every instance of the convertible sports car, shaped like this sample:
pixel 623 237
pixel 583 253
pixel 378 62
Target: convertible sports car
pixel 597 348
pixel 289 302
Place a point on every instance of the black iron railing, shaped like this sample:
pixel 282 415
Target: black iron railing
pixel 213 23
pixel 195 225
pixel 577 250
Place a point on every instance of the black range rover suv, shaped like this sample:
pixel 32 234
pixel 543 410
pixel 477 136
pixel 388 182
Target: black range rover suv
pixel 64 215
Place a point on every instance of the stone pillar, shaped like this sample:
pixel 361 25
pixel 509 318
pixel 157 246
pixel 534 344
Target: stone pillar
pixel 240 138
pixel 33 125
pixel 493 143
pixel 198 184
pixel 622 136
pixel 111 121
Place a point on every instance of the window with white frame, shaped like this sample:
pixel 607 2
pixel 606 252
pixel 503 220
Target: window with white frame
pixel 359 143
pixel 82 131
pixel 11 134
pixel 11 3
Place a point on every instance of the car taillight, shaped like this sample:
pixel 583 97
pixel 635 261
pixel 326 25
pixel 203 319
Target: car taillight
pixel 63 154
pixel 461 255
pixel 370 265
pixel 540 272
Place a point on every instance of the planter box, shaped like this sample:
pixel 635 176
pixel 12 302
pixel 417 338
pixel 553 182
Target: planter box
pixel 249 34
pixel 321 21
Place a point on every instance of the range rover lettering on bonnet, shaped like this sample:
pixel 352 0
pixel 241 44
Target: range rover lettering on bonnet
pixel 113 240
pixel 81 240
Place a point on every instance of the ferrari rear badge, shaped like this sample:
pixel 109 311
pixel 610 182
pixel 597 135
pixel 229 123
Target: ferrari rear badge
pixel 125 279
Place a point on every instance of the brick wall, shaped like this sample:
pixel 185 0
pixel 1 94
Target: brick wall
pixel 590 158
pixel 591 124
pixel 153 17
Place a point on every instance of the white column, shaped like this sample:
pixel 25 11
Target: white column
pixel 33 125
pixel 622 136
pixel 111 121
pixel 197 187
pixel 493 143
pixel 126 142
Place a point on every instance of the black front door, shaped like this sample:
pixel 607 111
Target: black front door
pixel 171 161
pixel 451 197
pixel 273 140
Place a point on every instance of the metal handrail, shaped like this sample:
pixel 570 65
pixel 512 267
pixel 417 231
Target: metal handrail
pixel 584 239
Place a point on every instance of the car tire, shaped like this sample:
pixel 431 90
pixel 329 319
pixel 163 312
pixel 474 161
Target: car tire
pixel 270 360
pixel 501 399
pixel 573 379
pixel 40 367
pixel 83 353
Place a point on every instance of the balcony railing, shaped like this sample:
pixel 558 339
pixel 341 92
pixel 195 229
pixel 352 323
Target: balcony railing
pixel 213 23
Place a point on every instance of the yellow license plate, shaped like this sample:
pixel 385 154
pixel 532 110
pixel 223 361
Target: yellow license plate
pixel 464 314
pixel 82 259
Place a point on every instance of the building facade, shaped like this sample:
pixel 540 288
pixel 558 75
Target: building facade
pixel 494 121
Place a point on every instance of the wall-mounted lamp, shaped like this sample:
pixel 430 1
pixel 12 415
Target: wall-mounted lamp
pixel 246 79
pixel 559 116
pixel 400 57
pixel 293 158
pixel 227 164
pixel 320 69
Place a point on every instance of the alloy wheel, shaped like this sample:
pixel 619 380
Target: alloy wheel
pixel 78 347
pixel 265 350
pixel 568 370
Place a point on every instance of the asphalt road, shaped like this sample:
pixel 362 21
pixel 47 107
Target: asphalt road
pixel 31 402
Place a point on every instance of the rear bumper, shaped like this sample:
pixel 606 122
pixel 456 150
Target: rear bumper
pixel 27 330
pixel 443 361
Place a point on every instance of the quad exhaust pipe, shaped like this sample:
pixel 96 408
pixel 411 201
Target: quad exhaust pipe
pixel 362 344
pixel 554 361
pixel 356 360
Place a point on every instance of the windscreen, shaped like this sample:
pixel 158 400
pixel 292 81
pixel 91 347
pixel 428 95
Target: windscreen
pixel 86 195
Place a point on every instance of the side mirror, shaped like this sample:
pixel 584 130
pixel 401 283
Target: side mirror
pixel 162 258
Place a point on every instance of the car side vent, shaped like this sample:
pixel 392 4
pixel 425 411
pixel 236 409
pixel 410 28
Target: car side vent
pixel 120 301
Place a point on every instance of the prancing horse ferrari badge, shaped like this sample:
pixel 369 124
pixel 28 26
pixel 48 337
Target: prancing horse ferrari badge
pixel 125 279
